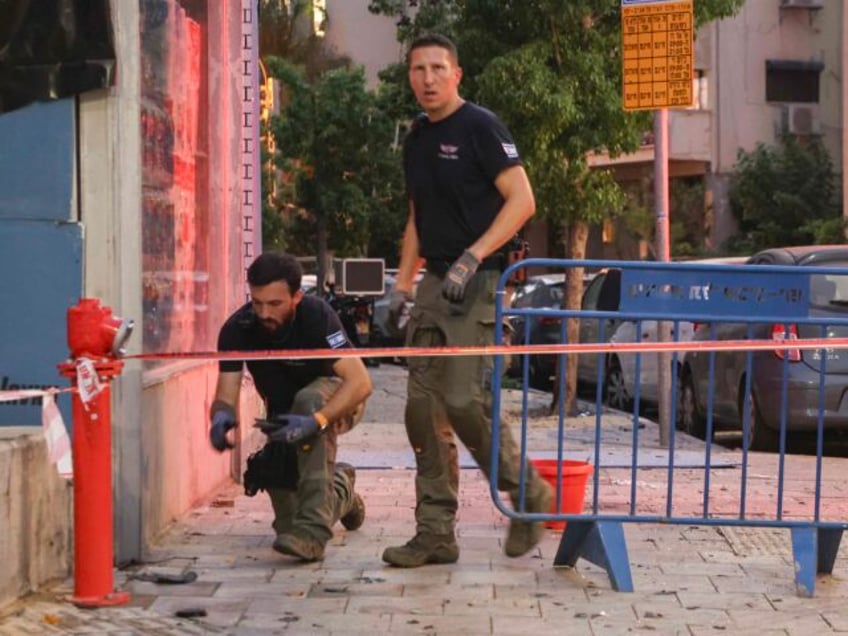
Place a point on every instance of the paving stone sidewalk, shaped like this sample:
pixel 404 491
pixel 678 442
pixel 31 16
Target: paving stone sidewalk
pixel 688 579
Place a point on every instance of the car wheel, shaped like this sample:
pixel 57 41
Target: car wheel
pixel 689 418
pixel 762 438
pixel 615 392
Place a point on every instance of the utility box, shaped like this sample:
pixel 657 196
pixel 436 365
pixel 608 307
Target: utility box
pixel 360 276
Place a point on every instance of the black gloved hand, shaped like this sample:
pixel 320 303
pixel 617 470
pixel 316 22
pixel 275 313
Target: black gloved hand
pixel 397 302
pixel 294 428
pixel 456 280
pixel 223 420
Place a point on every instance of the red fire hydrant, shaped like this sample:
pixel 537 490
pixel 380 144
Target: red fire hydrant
pixel 95 338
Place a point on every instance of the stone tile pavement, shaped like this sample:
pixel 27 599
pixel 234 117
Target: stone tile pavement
pixel 688 579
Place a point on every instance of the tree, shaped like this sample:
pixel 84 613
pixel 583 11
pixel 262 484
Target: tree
pixel 551 69
pixel 285 32
pixel 785 195
pixel 334 147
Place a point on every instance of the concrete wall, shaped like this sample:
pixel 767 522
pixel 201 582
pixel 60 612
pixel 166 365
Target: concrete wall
pixel 35 515
pixel 180 468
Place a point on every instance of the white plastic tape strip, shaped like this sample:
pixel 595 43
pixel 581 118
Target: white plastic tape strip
pixel 58 442
pixel 88 382
pixel 21 394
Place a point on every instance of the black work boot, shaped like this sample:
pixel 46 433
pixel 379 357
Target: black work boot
pixel 524 535
pixel 355 515
pixel 300 545
pixel 422 549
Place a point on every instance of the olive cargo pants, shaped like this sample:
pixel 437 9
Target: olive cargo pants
pixel 324 495
pixel 452 394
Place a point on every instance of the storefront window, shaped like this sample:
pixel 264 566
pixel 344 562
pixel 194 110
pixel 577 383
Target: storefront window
pixel 188 286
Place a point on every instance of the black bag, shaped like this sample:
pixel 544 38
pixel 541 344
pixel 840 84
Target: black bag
pixel 272 466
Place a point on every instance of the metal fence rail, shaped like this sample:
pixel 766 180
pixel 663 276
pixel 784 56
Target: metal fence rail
pixel 681 294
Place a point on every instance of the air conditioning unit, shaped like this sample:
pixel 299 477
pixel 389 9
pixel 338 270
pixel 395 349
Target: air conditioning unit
pixel 800 119
pixel 801 4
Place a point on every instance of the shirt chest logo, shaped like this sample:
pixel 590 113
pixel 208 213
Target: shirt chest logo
pixel 447 151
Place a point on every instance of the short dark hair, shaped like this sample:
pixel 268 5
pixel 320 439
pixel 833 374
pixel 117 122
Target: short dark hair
pixel 273 266
pixel 433 39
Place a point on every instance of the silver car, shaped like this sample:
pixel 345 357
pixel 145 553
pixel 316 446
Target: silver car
pixel 621 378
pixel 764 403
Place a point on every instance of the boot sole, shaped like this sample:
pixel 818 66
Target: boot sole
pixel 286 549
pixel 432 559
pixel 354 519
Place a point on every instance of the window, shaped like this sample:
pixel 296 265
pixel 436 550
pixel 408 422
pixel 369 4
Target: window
pixel 793 81
pixel 188 155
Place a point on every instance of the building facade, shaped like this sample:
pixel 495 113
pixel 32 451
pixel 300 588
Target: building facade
pixel 145 196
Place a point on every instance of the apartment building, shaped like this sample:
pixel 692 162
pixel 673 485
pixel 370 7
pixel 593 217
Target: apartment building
pixel 774 68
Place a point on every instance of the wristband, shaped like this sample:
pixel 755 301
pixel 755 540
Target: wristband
pixel 321 419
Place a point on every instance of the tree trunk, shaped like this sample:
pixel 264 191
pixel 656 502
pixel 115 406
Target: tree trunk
pixel 577 235
pixel 321 258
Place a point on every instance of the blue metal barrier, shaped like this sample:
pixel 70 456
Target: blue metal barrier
pixel 720 297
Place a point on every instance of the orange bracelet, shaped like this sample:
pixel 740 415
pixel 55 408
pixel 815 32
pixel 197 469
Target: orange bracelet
pixel 321 419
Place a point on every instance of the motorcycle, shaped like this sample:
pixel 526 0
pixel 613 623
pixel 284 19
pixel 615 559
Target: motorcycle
pixel 356 314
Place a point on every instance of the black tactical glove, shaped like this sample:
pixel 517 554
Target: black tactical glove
pixel 223 420
pixel 290 428
pixel 456 280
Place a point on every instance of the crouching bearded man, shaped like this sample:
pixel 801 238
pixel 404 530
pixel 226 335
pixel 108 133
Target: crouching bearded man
pixel 309 403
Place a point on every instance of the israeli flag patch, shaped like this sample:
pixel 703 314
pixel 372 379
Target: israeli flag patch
pixel 510 150
pixel 336 340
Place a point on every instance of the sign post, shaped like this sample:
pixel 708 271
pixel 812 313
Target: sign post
pixel 657 71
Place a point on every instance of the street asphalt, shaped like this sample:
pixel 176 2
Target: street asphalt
pixel 688 578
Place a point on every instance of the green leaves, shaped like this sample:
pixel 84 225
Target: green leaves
pixel 335 148
pixel 786 195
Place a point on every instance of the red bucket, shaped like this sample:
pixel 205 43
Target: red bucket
pixel 573 481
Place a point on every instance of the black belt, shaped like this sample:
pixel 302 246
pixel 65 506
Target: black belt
pixel 439 267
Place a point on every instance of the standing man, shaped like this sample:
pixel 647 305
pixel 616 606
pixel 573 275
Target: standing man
pixel 468 196
pixel 311 402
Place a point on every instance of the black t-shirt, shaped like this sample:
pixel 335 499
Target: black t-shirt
pixel 315 326
pixel 450 168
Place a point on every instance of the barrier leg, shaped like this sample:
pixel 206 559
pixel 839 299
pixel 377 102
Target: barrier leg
pixel 813 551
pixel 805 556
pixel 829 539
pixel 601 543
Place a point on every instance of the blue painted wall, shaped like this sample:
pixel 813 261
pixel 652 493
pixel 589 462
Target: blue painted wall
pixel 40 251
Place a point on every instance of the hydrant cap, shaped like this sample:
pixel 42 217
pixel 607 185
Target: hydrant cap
pixel 94 331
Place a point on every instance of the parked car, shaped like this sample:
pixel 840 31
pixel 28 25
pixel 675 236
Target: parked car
pixel 620 371
pixel 546 292
pixel 828 298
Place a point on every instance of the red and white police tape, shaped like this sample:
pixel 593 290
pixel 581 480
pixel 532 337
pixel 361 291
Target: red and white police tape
pixel 52 424
pixel 89 385
pixel 505 349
